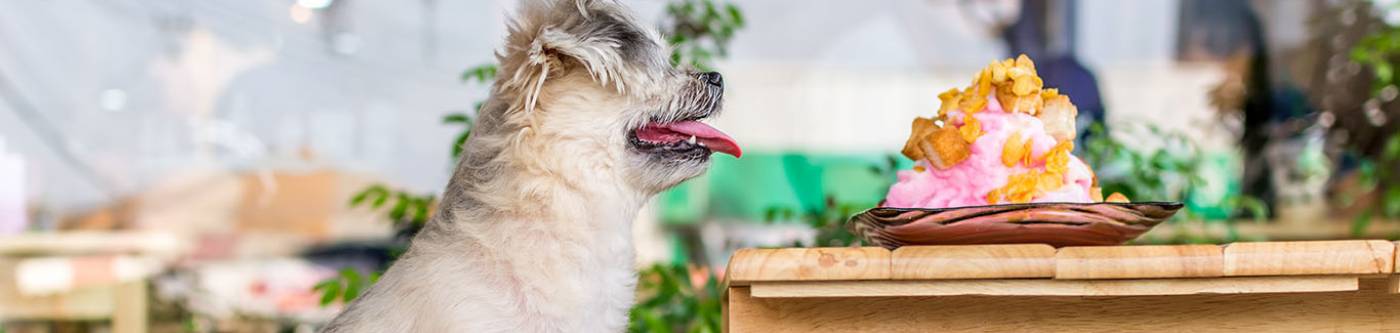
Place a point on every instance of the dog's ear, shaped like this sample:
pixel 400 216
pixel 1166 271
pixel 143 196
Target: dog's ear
pixel 548 36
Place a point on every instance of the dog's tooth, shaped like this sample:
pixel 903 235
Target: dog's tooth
pixel 691 140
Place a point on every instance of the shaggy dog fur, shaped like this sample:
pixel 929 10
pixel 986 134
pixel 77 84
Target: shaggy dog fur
pixel 533 233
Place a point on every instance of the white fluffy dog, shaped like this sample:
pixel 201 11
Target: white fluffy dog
pixel 587 120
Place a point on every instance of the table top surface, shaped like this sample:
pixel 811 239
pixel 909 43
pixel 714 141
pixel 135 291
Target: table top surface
pixel 92 242
pixel 1038 261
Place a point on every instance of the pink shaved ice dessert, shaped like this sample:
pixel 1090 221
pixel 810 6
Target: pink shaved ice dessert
pixel 1004 139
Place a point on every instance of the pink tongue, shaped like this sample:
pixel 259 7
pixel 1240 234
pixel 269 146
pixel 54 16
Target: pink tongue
pixel 711 137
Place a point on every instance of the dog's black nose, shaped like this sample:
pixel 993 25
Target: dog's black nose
pixel 714 79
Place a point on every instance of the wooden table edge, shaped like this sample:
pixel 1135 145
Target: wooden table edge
pixel 1052 287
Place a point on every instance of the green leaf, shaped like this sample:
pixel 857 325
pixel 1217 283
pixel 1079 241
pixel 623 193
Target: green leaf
pixel 480 74
pixel 1257 208
pixel 326 284
pixel 1360 54
pixel 1367 174
pixel 330 290
pixel 459 143
pixel 770 214
pixel 735 15
pixel 353 284
pixel 374 193
pixel 359 198
pixel 723 31
pixel 1385 74
pixel 457 118
pixel 1391 152
pixel 381 195
pixel 425 204
pixel 190 325
pixel 677 39
pixel 1391 204
pixel 675 58
pixel 653 323
pixel 1360 223
pixel 400 207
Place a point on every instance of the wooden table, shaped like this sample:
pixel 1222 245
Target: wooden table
pixel 123 302
pixel 1265 286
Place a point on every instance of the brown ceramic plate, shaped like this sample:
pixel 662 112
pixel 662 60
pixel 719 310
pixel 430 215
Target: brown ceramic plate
pixel 1057 224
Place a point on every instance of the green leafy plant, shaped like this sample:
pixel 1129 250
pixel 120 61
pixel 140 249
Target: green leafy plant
pixel 1374 173
pixel 829 221
pixel 677 298
pixel 480 75
pixel 1168 173
pixel 700 31
pixel 828 218
pixel 1372 179
pixel 466 121
pixel 1379 51
pixel 1171 173
pixel 1391 156
pixel 345 286
pixel 404 207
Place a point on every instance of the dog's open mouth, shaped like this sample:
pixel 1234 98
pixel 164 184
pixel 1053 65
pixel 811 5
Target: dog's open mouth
pixel 685 138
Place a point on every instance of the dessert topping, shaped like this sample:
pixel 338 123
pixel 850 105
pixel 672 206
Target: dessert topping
pixel 943 147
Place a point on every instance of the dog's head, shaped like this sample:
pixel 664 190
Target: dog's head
pixel 590 89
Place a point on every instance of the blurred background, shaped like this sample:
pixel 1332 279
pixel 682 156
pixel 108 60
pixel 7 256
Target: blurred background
pixel 248 166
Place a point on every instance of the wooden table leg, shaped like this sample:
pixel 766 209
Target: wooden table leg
pixel 129 315
pixel 724 309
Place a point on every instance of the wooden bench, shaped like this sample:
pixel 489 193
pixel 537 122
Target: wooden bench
pixel 1265 286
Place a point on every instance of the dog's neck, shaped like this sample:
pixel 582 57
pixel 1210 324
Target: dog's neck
pixel 520 179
